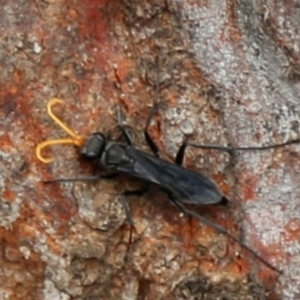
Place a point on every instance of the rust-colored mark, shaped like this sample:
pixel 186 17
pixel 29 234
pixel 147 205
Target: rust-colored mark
pixel 24 269
pixel 242 264
pixel 224 187
pixel 239 267
pixel 268 277
pixel 5 141
pixel 54 246
pixel 219 273
pixel 292 230
pixel 96 25
pixel 31 225
pixel 248 188
pixel 96 29
pixel 73 13
pixel 62 207
pixel 9 196
pixel 12 254
pixel 231 31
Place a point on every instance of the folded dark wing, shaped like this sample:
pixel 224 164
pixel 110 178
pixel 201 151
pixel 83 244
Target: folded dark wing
pixel 182 184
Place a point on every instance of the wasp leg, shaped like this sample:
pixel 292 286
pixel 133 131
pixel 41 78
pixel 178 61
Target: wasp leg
pixel 124 196
pixel 124 128
pixel 180 154
pixel 82 179
pixel 222 230
pixel 151 143
pixel 230 150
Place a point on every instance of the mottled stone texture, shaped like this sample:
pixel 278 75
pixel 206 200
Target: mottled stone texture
pixel 229 75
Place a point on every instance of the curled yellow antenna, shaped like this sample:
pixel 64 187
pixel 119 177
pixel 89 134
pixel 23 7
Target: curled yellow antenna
pixel 75 139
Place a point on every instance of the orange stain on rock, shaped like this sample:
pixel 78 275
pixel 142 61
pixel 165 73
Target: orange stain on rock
pixel 5 141
pixel 292 230
pixel 224 187
pixel 248 188
pixel 9 196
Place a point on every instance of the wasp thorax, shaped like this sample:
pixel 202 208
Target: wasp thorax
pixel 116 155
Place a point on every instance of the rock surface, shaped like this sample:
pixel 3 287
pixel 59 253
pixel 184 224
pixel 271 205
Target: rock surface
pixel 228 74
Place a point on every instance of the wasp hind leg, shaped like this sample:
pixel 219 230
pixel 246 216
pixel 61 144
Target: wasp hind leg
pixel 125 204
pixel 222 230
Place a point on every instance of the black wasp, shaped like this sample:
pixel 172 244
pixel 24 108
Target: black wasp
pixel 182 185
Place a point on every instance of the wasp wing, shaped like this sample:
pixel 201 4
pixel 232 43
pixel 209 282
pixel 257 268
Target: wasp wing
pixel 182 184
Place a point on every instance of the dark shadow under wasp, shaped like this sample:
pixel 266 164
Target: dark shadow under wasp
pixel 182 185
